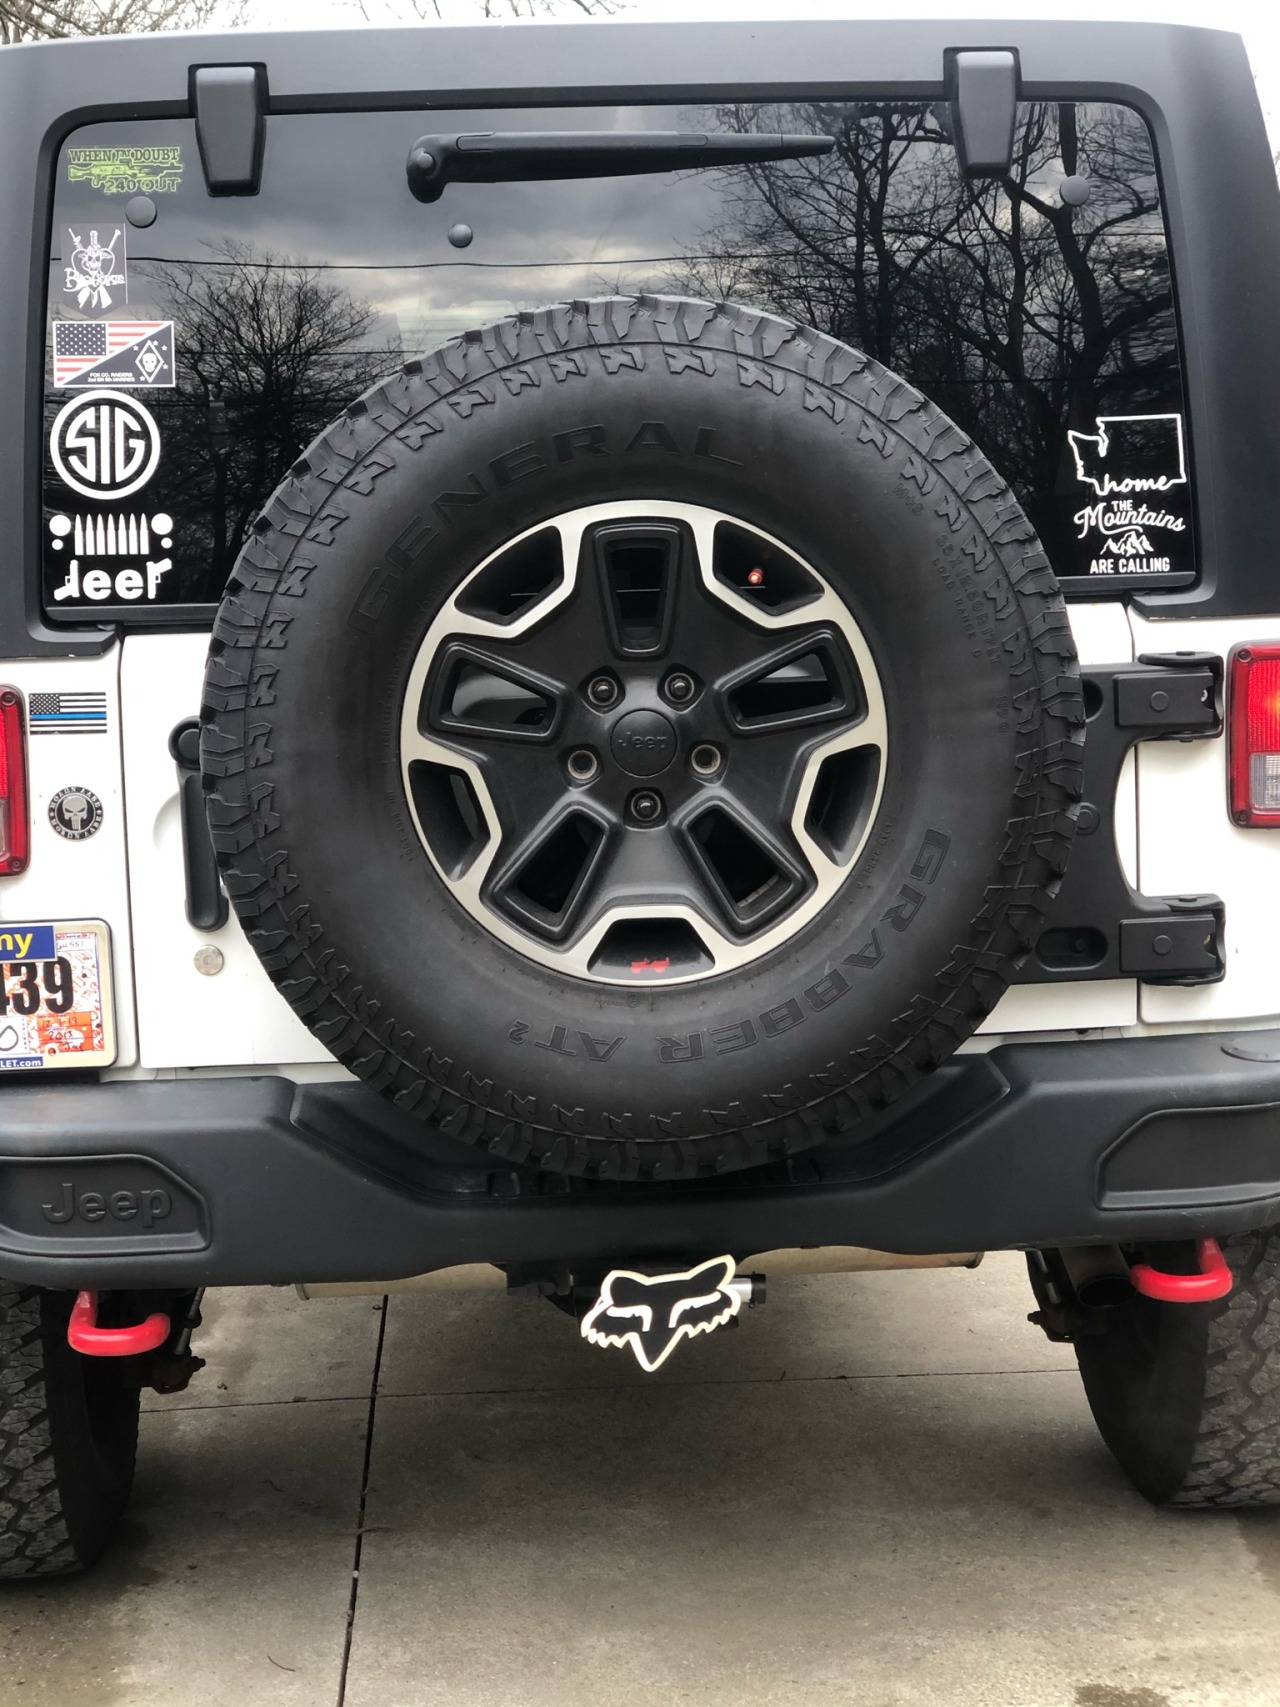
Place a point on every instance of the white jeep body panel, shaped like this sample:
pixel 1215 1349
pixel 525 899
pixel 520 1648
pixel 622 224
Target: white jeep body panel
pixel 87 879
pixel 186 1018
pixel 1188 844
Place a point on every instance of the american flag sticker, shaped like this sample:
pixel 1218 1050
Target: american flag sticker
pixel 112 352
pixel 67 713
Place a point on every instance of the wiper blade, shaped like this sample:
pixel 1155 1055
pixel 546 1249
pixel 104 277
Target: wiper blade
pixel 523 156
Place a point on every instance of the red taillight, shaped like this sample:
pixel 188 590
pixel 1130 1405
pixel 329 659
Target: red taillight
pixel 1254 733
pixel 15 825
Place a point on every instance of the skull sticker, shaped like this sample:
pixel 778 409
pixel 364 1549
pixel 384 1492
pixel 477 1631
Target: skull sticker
pixel 75 813
pixel 94 269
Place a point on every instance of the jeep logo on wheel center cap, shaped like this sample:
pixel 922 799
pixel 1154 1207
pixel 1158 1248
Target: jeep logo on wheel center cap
pixel 643 743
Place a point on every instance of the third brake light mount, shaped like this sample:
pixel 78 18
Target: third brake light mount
pixel 525 156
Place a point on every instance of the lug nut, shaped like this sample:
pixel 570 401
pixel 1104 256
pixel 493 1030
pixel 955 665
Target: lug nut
pixel 646 806
pixel 679 687
pixel 603 691
pixel 706 759
pixel 583 764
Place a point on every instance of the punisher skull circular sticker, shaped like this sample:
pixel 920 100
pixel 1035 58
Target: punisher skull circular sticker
pixel 75 813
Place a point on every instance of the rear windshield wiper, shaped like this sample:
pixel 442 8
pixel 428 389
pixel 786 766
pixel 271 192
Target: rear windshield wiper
pixel 521 156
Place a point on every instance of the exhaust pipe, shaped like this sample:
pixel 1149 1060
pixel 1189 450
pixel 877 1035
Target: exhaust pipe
pixel 1099 1275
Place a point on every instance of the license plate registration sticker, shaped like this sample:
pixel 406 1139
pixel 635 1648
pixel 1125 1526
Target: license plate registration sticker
pixel 55 995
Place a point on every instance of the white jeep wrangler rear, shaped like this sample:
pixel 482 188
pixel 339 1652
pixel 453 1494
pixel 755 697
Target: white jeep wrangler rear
pixel 642 682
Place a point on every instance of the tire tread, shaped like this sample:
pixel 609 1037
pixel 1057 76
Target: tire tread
pixel 34 1539
pixel 1235 1459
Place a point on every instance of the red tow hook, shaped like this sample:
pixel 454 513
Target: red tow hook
pixel 1214 1280
pixel 84 1334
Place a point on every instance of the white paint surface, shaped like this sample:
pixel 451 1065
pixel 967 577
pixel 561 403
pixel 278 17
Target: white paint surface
pixel 77 880
pixel 1189 845
pixel 186 1019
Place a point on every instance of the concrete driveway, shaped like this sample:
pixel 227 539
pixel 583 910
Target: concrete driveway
pixel 881 1490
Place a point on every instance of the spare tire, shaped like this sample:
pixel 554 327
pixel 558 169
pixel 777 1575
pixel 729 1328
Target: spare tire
pixel 641 737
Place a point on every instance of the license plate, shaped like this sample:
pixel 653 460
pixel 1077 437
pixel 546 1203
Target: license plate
pixel 55 995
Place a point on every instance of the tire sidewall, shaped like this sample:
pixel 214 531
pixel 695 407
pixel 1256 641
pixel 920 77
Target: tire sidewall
pixel 93 1409
pixel 1144 1378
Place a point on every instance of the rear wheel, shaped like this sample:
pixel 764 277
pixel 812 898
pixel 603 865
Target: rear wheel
pixel 1187 1396
pixel 68 1436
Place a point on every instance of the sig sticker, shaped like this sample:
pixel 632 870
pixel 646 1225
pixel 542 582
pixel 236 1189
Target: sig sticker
pixel 104 446
pixel 126 171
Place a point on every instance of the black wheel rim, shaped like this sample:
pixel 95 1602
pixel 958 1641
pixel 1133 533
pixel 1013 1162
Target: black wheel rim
pixel 644 743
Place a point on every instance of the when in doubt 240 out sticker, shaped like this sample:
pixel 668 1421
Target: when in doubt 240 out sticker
pixel 152 171
pixel 1134 515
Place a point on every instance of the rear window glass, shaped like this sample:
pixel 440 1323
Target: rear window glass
pixel 221 334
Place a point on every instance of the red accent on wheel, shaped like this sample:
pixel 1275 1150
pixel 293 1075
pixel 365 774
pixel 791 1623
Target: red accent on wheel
pixel 1215 1279
pixel 84 1334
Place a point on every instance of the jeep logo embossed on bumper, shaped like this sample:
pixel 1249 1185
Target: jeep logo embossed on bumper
pixel 78 1204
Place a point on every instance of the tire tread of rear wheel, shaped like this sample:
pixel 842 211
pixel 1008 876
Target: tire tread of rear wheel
pixel 1235 1459
pixel 60 1494
pixel 1187 1396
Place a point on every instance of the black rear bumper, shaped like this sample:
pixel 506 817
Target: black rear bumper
pixel 228 1181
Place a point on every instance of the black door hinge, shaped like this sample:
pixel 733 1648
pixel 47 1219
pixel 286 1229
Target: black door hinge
pixel 982 88
pixel 1099 926
pixel 230 103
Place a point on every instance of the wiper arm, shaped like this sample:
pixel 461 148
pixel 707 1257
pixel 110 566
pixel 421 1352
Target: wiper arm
pixel 522 156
